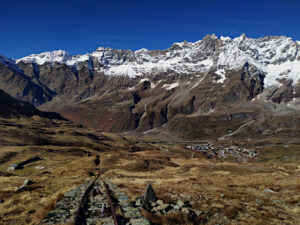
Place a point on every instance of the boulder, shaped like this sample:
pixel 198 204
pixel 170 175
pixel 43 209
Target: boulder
pixel 180 203
pixel 25 185
pixel 174 196
pixel 184 196
pixel 138 202
pixel 185 210
pixel 164 206
pixel 150 195
pixel 268 191
pixel 155 209
pixel 154 204
pixel 197 212
pixel 176 207
pixel 159 202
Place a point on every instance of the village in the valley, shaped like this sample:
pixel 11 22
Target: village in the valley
pixel 212 152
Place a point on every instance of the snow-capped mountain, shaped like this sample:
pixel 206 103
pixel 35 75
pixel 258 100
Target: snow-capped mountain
pixel 207 88
pixel 276 57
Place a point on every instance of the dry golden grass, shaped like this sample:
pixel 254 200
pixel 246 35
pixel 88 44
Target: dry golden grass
pixel 69 159
pixel 42 212
pixel 226 192
pixel 169 219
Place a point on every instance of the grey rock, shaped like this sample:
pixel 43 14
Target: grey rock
pixel 163 206
pixel 25 185
pixel 138 202
pixel 185 196
pixel 159 202
pixel 155 209
pixel 140 221
pixel 150 195
pixel 133 213
pixel 268 191
pixel 122 197
pixel 154 204
pixel 185 210
pixel 176 207
pixel 180 203
pixel 197 212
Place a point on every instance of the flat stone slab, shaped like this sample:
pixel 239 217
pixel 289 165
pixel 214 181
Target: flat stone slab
pixel 99 221
pixel 140 221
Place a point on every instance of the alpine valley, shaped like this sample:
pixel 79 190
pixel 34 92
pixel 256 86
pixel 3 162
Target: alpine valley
pixel 199 133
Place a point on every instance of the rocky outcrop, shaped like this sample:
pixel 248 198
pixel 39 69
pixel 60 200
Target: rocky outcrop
pixel 253 79
pixel 149 195
pixel 20 86
pixel 15 108
pixel 283 94
pixel 158 207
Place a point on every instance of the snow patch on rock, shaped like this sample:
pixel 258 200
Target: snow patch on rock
pixel 221 72
pixel 58 56
pixel 143 80
pixel 273 56
pixel 153 85
pixel 286 70
pixel 170 86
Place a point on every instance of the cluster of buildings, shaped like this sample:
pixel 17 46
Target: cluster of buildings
pixel 212 152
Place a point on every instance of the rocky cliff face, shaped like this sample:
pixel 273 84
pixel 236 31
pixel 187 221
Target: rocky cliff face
pixel 190 87
pixel 18 84
pixel 11 107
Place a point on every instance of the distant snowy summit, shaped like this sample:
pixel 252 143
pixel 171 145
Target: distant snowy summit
pixel 277 57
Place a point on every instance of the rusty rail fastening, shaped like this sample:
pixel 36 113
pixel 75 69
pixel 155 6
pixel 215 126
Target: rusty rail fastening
pixel 111 204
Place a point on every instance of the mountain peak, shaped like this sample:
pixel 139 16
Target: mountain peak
pixel 58 56
pixel 241 38
pixel 225 39
pixel 272 55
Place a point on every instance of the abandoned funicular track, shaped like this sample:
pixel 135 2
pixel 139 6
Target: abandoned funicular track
pixel 106 213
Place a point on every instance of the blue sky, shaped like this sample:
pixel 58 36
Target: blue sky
pixel 80 26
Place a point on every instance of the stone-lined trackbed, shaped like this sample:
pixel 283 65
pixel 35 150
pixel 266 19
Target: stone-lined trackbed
pixel 95 208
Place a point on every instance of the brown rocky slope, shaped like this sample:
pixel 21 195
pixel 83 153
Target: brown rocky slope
pixel 210 88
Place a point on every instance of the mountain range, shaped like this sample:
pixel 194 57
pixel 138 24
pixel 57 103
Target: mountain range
pixel 215 87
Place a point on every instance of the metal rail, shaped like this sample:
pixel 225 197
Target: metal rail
pixel 77 219
pixel 111 204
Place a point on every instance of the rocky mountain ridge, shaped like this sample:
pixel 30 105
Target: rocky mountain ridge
pixel 277 57
pixel 11 107
pixel 189 88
